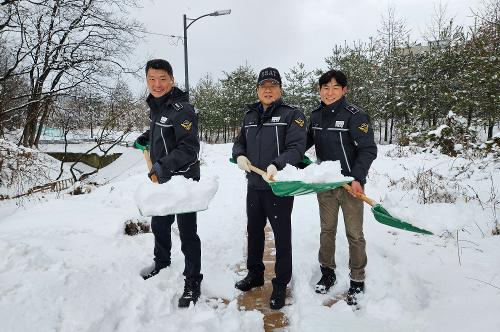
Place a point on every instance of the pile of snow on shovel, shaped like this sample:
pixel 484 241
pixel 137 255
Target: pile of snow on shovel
pixel 326 172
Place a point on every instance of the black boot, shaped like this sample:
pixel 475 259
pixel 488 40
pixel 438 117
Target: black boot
pixel 191 293
pixel 357 287
pixel 278 297
pixel 327 280
pixel 250 281
pixel 152 272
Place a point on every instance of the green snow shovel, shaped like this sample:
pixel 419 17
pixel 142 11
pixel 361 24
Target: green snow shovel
pixel 145 150
pixel 294 188
pixel 384 217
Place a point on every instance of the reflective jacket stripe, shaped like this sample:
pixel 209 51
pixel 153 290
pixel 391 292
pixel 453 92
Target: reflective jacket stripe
pixel 338 129
pixel 277 140
pixel 163 125
pixel 345 155
pixel 333 129
pixel 275 124
pixel 163 138
pixel 188 166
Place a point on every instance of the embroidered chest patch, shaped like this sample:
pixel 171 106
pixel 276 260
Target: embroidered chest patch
pixel 339 124
pixel 275 119
pixel 163 119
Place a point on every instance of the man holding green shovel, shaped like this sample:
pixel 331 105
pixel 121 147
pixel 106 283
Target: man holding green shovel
pixel 341 131
pixel 173 146
pixel 272 135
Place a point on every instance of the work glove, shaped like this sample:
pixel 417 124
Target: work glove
pixel 243 163
pixel 141 142
pixel 270 173
pixel 152 175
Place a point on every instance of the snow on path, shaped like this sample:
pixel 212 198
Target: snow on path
pixel 66 264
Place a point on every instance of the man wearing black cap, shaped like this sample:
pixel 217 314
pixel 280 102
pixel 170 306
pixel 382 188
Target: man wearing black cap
pixel 272 135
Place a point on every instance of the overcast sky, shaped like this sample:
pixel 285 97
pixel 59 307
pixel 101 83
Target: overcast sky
pixel 276 33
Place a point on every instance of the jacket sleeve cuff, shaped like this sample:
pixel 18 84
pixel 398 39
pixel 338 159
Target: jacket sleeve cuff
pixel 278 165
pixel 162 175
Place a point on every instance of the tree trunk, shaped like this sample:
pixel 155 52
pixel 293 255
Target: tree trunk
pixel 391 130
pixel 43 119
pixel 379 132
pixel 30 125
pixel 386 128
pixel 469 118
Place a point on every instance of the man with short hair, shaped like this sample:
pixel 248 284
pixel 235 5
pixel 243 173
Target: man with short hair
pixel 342 131
pixel 272 135
pixel 174 145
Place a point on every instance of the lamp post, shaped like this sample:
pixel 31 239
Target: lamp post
pixel 186 26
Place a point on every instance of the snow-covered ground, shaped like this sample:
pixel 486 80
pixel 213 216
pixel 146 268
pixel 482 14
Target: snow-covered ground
pixel 66 264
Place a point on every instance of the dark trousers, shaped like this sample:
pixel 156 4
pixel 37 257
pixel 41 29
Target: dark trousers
pixel 190 242
pixel 262 205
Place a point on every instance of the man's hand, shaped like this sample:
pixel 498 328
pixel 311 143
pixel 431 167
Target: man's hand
pixel 357 189
pixel 152 176
pixel 243 163
pixel 270 173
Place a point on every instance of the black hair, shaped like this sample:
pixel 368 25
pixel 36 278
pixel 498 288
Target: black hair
pixel 161 65
pixel 336 74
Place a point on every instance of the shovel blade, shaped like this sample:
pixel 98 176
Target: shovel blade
pixel 383 217
pixel 296 188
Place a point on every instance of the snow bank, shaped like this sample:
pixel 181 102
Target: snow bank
pixel 326 172
pixel 179 195
pixel 120 167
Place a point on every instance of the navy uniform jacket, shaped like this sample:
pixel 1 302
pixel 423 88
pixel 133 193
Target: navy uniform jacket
pixel 343 132
pixel 173 136
pixel 277 136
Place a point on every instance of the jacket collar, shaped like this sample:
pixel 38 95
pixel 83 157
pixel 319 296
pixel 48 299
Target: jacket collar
pixel 174 95
pixel 339 104
pixel 258 107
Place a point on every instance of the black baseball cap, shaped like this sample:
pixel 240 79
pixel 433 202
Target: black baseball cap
pixel 269 74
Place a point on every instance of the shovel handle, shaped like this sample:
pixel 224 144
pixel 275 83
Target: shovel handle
pixel 260 172
pixel 150 165
pixel 362 197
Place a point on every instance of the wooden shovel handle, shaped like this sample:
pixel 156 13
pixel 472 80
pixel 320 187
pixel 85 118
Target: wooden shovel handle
pixel 257 170
pixel 362 197
pixel 150 165
pixel 260 172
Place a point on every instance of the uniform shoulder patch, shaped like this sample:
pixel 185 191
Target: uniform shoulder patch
pixel 300 122
pixel 352 109
pixel 178 106
pixel 186 124
pixel 364 127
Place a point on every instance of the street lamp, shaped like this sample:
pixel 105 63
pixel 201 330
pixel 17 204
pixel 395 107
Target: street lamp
pixel 186 26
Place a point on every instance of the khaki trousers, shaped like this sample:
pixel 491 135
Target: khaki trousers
pixel 352 208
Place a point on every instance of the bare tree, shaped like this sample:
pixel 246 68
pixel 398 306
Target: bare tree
pixel 66 44
pixel 440 28
pixel 392 36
